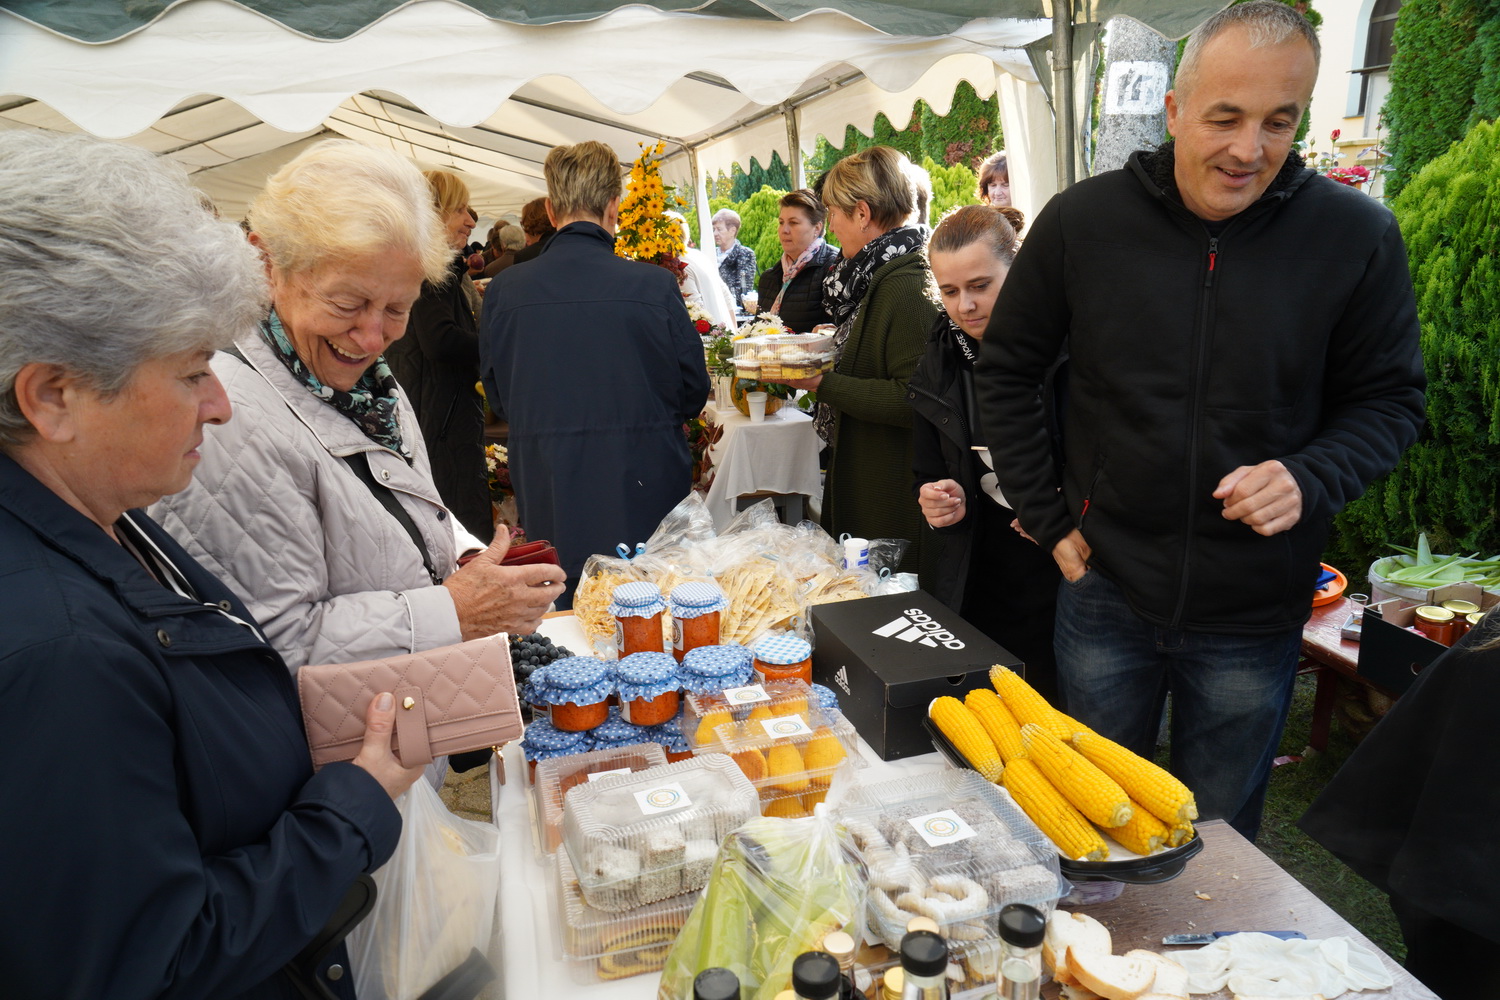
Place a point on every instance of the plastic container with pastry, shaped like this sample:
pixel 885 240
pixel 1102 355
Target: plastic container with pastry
pixel 602 945
pixel 703 712
pixel 637 838
pixel 556 776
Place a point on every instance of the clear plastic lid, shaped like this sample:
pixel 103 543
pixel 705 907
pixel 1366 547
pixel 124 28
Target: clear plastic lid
pixel 794 753
pixel 638 838
pixel 961 839
pixel 610 945
pixel 555 777
pixel 703 713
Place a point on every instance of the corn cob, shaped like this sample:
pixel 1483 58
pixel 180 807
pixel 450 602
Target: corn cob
pixel 1143 834
pixel 963 730
pixel 1095 793
pixel 1166 798
pixel 1001 726
pixel 1024 703
pixel 822 754
pixel 785 764
pixel 1071 725
pixel 1180 835
pixel 1056 817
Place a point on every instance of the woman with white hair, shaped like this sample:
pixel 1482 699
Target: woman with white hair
pixel 318 504
pixel 193 853
pixel 736 261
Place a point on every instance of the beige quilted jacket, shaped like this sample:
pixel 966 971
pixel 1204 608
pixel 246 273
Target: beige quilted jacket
pixel 276 513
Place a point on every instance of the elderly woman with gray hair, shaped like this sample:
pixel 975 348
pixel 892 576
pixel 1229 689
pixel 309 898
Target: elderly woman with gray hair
pixel 318 505
pixel 736 261
pixel 195 853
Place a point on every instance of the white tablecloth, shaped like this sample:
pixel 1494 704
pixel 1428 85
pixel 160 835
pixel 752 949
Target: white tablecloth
pixel 779 455
pixel 529 967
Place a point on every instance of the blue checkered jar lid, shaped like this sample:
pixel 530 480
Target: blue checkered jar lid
pixel 543 736
pixel 640 599
pixel 580 680
pixel 781 650
pixel 694 600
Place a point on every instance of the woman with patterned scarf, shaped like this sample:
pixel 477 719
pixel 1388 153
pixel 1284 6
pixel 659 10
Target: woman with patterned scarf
pixel 878 296
pixel 793 287
pixel 978 564
pixel 317 503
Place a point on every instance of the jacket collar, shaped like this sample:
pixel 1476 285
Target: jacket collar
pixel 1155 169
pixel 583 232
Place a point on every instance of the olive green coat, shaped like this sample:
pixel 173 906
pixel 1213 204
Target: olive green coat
pixel 868 492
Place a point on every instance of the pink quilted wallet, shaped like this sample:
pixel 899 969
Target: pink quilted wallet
pixel 448 700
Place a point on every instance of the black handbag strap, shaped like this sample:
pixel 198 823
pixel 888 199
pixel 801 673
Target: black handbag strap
pixel 382 493
pixel 387 498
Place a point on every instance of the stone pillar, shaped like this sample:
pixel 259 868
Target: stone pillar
pixel 1137 75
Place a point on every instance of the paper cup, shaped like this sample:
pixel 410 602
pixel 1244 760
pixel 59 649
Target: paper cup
pixel 856 552
pixel 752 302
pixel 756 401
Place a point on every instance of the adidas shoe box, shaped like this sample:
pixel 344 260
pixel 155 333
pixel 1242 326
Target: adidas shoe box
pixel 888 657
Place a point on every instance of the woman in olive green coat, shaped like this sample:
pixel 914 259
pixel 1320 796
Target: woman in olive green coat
pixel 878 296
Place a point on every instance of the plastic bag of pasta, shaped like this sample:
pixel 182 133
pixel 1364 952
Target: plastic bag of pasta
pixel 779 886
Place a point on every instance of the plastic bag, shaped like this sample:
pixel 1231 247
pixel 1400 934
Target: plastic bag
pixel 435 904
pixel 779 886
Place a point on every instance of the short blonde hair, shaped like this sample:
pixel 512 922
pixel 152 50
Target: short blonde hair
pixel 876 177
pixel 582 179
pixel 449 193
pixel 341 200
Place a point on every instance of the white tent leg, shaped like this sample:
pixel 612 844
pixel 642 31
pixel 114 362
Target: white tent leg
pixel 700 192
pixel 1026 120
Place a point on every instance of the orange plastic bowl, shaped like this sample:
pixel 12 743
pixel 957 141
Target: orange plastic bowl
pixel 1333 591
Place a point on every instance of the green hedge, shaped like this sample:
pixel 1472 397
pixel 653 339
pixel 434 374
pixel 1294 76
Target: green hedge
pixel 1446 484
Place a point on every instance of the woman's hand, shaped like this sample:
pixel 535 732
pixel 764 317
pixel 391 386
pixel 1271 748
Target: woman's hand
pixel 493 598
pixel 809 384
pixel 375 755
pixel 942 502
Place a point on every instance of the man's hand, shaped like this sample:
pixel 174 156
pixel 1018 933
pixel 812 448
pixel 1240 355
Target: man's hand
pixel 1072 556
pixel 942 502
pixel 1264 496
pixel 492 598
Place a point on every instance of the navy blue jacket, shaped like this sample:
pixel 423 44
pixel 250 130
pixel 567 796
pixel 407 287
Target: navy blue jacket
pixel 163 830
pixel 597 367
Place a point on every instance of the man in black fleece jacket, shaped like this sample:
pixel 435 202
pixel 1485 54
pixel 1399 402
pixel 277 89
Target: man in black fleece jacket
pixel 1243 362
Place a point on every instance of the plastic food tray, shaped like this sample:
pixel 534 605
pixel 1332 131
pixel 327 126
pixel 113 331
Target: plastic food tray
pixel 1124 865
pixel 637 838
pixel 789 754
pixel 702 713
pixel 793 355
pixel 952 847
pixel 597 945
pixel 556 776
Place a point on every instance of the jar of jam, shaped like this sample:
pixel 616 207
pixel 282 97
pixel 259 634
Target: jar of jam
pixel 577 688
pixel 637 609
pixel 1435 623
pixel 695 616
pixel 648 687
pixel 782 657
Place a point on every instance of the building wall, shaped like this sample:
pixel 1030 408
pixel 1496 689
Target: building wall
pixel 1336 94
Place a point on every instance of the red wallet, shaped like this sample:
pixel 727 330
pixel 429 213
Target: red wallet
pixel 531 552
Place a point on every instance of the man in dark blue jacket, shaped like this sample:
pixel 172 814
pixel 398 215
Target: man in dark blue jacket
pixel 1243 362
pixel 597 366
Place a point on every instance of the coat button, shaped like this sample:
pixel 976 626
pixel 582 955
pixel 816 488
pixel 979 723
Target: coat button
pixel 335 972
pixel 945 420
pixel 442 515
pixel 225 605
pixel 385 474
pixel 163 638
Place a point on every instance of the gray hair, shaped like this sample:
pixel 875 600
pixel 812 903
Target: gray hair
pixel 341 200
pixel 1268 22
pixel 728 215
pixel 109 260
pixel 510 237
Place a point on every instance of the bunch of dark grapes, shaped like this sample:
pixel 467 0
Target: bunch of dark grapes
pixel 527 652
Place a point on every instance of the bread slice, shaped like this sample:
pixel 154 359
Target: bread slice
pixel 1114 977
pixel 1171 978
pixel 1077 993
pixel 1072 930
pixel 1310 996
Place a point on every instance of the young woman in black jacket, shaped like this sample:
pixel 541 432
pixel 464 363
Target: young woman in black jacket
pixel 983 567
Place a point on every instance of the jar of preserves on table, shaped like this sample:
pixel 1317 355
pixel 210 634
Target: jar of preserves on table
pixel 1435 623
pixel 695 616
pixel 648 688
pixel 577 688
pixel 637 609
pixel 783 657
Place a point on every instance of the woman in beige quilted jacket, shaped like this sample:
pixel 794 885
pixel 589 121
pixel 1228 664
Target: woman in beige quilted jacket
pixel 317 504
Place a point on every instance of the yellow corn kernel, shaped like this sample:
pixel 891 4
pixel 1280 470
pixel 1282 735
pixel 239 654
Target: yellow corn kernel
pixel 787 771
pixel 821 755
pixel 1024 703
pixel 1166 798
pixel 1143 834
pixel 786 807
pixel 968 737
pixel 1180 834
pixel 1056 817
pixel 708 723
pixel 1096 794
pixel 1002 727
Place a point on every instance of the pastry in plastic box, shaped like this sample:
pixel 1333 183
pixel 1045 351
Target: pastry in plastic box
pixel 556 776
pixel 599 944
pixel 703 713
pixel 951 847
pixel 637 838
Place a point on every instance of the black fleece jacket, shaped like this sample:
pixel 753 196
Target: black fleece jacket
pixel 1289 335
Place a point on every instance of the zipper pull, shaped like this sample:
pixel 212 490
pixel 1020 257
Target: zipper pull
pixel 1213 257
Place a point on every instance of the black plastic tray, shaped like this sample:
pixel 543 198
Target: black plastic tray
pixel 1148 870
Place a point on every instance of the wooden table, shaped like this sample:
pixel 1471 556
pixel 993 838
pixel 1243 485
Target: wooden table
pixel 1332 656
pixel 1247 891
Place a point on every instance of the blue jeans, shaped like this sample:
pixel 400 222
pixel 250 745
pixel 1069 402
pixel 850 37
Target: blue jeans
pixel 1230 694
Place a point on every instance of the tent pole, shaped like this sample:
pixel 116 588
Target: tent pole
pixel 700 189
pixel 793 145
pixel 1062 91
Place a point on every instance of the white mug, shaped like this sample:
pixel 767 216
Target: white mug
pixel 757 404
pixel 856 552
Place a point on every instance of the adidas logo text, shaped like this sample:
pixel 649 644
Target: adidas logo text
pixel 841 678
pixel 917 626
